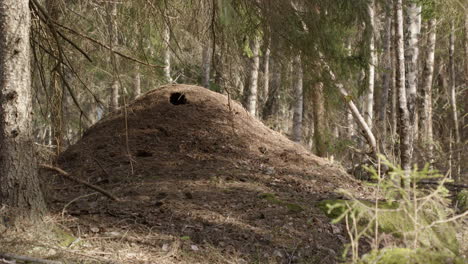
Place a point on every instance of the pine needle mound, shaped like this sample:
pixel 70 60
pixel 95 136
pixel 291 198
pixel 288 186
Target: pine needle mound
pixel 197 174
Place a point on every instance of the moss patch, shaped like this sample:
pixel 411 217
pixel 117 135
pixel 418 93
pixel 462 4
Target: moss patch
pixel 409 256
pixel 65 239
pixel 462 200
pixel 293 208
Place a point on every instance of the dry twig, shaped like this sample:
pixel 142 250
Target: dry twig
pixel 27 259
pixel 68 176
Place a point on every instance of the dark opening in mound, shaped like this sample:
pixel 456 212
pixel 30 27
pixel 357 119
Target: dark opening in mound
pixel 144 153
pixel 178 99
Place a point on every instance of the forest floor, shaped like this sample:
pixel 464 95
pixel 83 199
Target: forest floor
pixel 198 181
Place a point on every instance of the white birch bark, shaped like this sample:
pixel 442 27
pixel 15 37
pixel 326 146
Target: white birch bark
pixel 453 98
pixel 403 113
pixel 206 65
pixel 266 75
pixel 359 118
pixel 166 36
pixel 453 92
pixel 298 100
pixel 137 81
pixel 253 83
pixel 466 47
pixel 369 109
pixel 411 61
pixel 428 75
pixel 355 112
pixel 114 89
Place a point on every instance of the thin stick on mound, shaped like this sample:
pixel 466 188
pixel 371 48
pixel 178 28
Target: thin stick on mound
pixel 4 256
pixel 68 176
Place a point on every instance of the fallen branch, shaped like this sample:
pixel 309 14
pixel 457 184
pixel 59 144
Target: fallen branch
pixel 449 184
pixel 27 259
pixel 68 176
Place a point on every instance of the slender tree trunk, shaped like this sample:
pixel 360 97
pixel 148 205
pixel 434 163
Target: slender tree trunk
pixel 394 106
pixel 403 113
pixel 56 89
pixel 253 82
pixel 350 123
pixel 411 62
pixel 359 119
pixel 466 47
pixel 167 51
pixel 206 65
pixel 453 101
pixel 19 185
pixel 271 106
pixel 428 75
pixel 453 96
pixel 354 111
pixel 320 127
pixel 298 102
pixel 387 71
pixel 114 89
pixel 266 76
pixel 308 124
pixel 369 103
pixel 137 81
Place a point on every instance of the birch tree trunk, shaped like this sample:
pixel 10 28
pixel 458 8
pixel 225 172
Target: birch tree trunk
pixel 253 83
pixel 56 89
pixel 428 75
pixel 411 61
pixel 369 110
pixel 453 95
pixel 19 185
pixel 266 76
pixel 298 100
pixel 114 89
pixel 354 111
pixel 206 65
pixel 166 36
pixel 350 123
pixel 137 81
pixel 404 124
pixel 359 119
pixel 466 47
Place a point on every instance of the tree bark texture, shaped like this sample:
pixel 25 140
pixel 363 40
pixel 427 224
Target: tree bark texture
pixel 411 62
pixel 114 88
pixel 19 186
pixel 266 77
pixel 466 47
pixel 271 106
pixel 320 126
pixel 404 124
pixel 453 84
pixel 453 100
pixel 166 36
pixel 427 77
pixel 387 70
pixel 253 82
pixel 206 65
pixel 298 100
pixel 369 110
pixel 56 89
pixel 359 119
pixel 137 81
